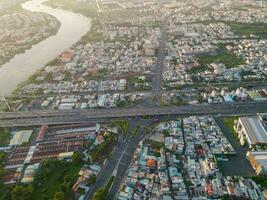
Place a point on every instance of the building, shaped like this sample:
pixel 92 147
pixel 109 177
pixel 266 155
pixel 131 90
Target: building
pixel 21 137
pixel 41 133
pixel 251 130
pixel 258 160
pixel 29 173
pixel 66 156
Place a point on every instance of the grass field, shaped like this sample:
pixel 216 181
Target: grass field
pixel 229 123
pixel 195 70
pixel 259 30
pixel 243 29
pixel 223 56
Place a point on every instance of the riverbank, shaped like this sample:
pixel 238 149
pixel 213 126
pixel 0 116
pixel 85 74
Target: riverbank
pixel 85 8
pixel 22 66
pixel 32 28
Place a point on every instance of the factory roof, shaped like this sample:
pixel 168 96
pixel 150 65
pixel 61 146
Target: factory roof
pixel 254 130
pixel 20 137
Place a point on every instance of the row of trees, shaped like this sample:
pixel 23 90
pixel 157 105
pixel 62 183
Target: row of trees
pixel 103 148
pixel 5 190
pixel 102 193
pixel 2 160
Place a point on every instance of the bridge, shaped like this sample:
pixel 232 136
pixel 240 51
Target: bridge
pixel 32 118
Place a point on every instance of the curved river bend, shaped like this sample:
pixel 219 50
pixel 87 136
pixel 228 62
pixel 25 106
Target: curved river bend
pixel 22 66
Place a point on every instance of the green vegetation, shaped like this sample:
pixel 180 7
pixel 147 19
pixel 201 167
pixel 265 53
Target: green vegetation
pixel 123 126
pixel 199 69
pixel 2 160
pixel 174 101
pixel 227 197
pixel 110 183
pixel 261 180
pixel 139 83
pixel 164 103
pixel 246 30
pixel 222 56
pixel 229 124
pixel 154 144
pixel 83 8
pixel 92 180
pixel 4 136
pixel 124 104
pixel 21 192
pixel 177 101
pixel 135 131
pixel 154 23
pixel 76 158
pixel 166 133
pixel 146 117
pixel 59 196
pixel 55 179
pixel 53 62
pixel 92 36
pixel 147 130
pixel 5 190
pixel 135 79
pixel 102 193
pixel 104 149
pixel 20 48
pixel 30 80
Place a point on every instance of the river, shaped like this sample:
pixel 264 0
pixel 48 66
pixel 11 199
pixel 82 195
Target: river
pixel 22 66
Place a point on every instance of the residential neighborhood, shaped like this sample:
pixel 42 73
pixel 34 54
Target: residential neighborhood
pixel 19 30
pixel 133 100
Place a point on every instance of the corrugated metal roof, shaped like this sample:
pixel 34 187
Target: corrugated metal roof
pixel 254 129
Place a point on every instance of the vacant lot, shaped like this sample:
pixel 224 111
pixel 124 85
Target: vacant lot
pixel 222 56
pixel 246 30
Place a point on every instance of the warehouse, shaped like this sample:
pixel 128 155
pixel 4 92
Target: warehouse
pixel 21 137
pixel 258 160
pixel 251 130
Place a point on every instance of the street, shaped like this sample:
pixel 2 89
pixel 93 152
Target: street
pixel 29 118
pixel 120 159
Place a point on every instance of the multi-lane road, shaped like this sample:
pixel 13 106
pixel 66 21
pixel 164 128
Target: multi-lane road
pixel 157 81
pixel 120 158
pixel 31 118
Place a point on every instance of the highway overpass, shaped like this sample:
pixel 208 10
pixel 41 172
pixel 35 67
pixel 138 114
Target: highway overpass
pixel 31 118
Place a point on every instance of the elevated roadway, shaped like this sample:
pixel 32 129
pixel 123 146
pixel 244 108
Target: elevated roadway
pixel 31 118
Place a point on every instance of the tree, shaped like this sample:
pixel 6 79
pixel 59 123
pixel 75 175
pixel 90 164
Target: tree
pixel 2 157
pixel 101 194
pixel 76 157
pixel 59 196
pixel 166 133
pixel 65 187
pixel 5 191
pixel 21 192
pixel 92 179
pixel 2 172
